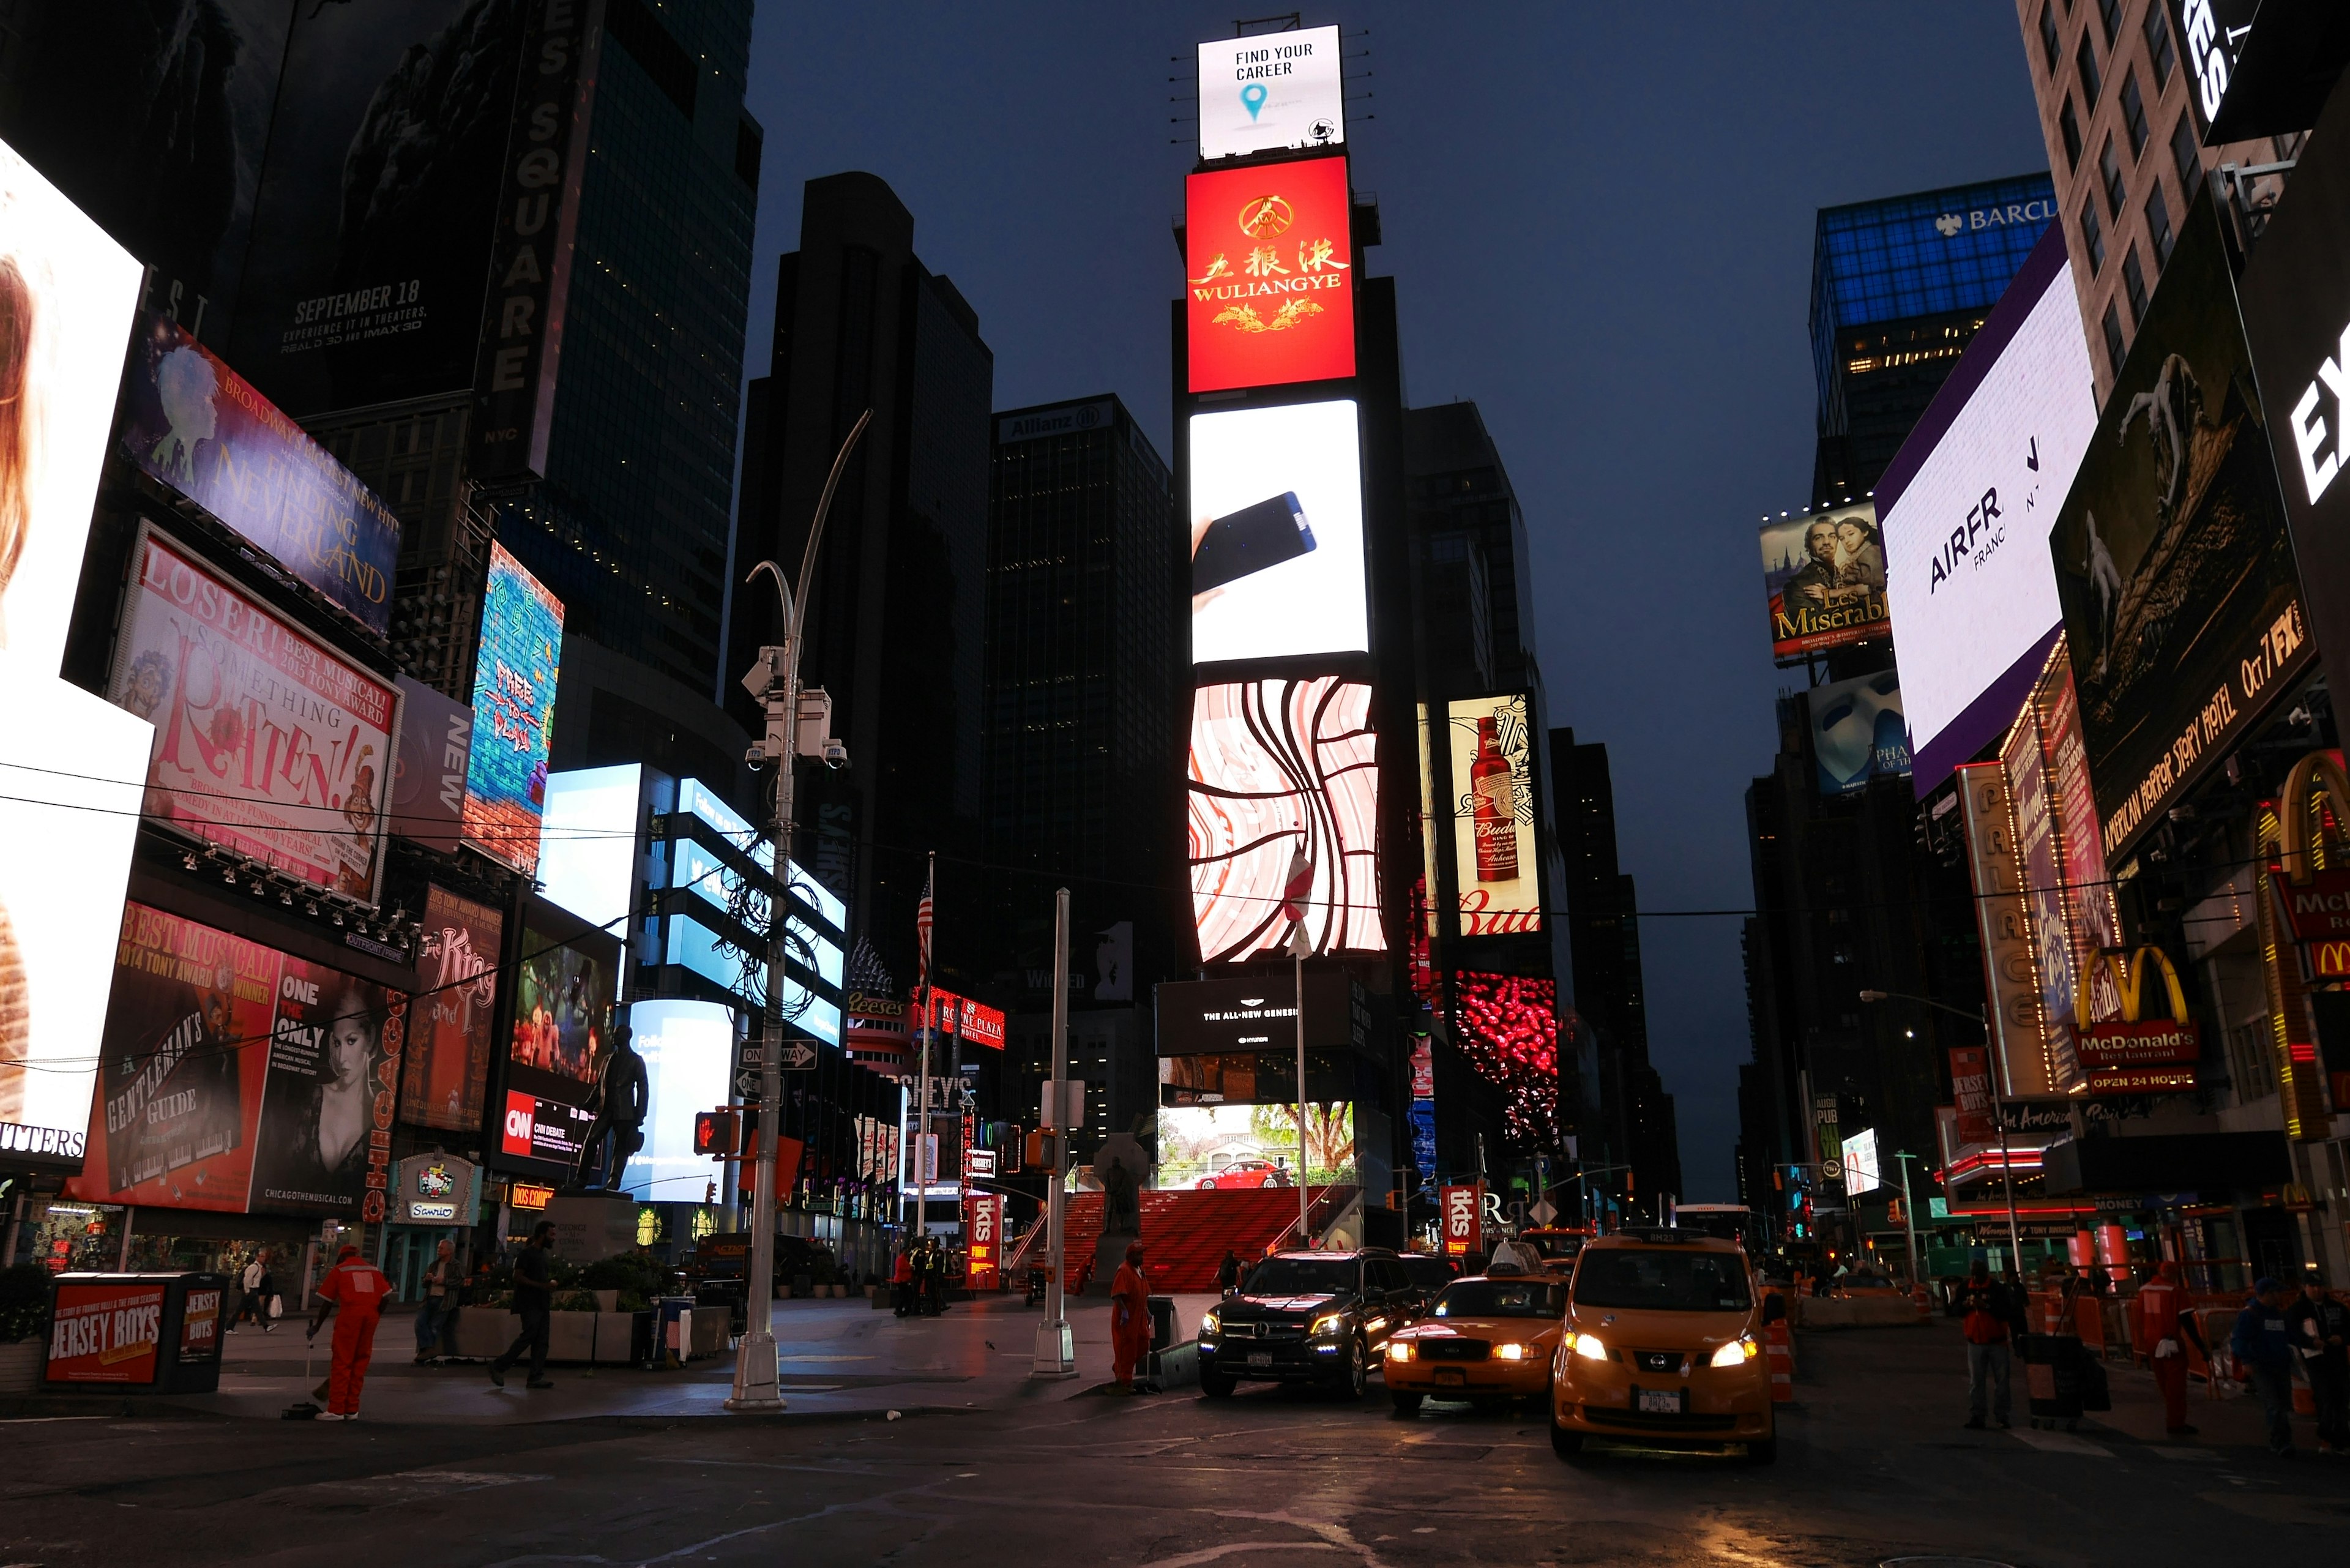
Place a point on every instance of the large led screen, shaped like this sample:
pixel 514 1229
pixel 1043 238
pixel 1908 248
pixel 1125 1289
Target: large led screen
pixel 1277 532
pixel 67 837
pixel 452 1028
pixel 67 296
pixel 688 1049
pixel 587 843
pixel 1275 764
pixel 1269 270
pixel 266 744
pixel 1824 574
pixel 1968 503
pixel 2181 603
pixel 1857 732
pixel 1234 1148
pixel 1496 861
pixel 1273 90
pixel 193 424
pixel 564 984
pixel 514 712
pixel 237 1078
pixel 428 772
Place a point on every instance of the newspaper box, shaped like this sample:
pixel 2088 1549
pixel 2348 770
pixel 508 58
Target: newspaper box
pixel 158 1334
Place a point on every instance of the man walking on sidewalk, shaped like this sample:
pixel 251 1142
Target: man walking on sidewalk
pixel 2321 1328
pixel 2261 1342
pixel 354 1291
pixel 1986 1327
pixel 2166 1327
pixel 534 1297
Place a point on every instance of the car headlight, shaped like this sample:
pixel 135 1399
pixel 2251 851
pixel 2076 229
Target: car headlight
pixel 1587 1346
pixel 1399 1350
pixel 1511 1352
pixel 1737 1353
pixel 1209 1323
pixel 1329 1322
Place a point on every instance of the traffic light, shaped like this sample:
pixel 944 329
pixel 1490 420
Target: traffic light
pixel 717 1134
pixel 1044 1151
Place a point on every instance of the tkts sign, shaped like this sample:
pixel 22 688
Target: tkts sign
pixel 1269 264
pixel 982 1218
pixel 1462 1217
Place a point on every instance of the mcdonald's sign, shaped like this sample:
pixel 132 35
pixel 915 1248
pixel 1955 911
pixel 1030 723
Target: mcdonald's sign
pixel 2317 913
pixel 2131 1056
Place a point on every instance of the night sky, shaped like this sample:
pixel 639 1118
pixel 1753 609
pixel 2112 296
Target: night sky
pixel 1600 220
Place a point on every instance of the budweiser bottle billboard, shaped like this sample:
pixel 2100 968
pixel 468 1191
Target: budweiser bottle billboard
pixel 1496 806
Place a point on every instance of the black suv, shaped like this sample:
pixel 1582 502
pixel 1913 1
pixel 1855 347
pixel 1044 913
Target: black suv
pixel 1308 1317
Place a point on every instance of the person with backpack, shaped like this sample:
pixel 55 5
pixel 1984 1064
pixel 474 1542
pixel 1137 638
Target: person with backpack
pixel 1986 1323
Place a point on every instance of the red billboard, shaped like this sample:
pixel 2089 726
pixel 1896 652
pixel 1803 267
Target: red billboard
pixel 1971 1088
pixel 2140 1043
pixel 982 1234
pixel 1269 268
pixel 1462 1208
pixel 452 1036
pixel 106 1333
pixel 978 1023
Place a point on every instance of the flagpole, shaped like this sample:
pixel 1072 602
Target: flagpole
pixel 1297 954
pixel 925 1168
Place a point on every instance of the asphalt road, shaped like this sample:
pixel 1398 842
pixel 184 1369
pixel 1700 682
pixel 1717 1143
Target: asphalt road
pixel 1874 1466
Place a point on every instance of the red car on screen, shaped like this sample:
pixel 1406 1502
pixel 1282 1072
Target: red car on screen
pixel 1246 1173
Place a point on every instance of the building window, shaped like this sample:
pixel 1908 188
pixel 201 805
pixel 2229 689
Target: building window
pixel 2157 227
pixel 2070 124
pixel 2113 349
pixel 2048 45
pixel 2110 12
pixel 2093 237
pixel 2109 165
pixel 2188 154
pixel 2157 44
pixel 2134 117
pixel 2134 280
pixel 2086 57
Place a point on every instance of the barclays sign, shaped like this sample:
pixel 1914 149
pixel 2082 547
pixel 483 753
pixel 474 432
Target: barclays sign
pixel 2014 214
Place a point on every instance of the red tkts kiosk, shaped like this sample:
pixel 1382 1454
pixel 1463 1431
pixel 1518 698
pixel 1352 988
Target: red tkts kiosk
pixel 158 1333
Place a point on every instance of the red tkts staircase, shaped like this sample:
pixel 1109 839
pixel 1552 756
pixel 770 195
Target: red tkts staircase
pixel 1186 1233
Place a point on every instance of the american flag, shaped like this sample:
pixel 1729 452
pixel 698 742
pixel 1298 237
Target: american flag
pixel 923 929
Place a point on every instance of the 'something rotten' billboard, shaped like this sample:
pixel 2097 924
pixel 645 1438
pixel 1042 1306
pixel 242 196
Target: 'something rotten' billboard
pixel 2182 604
pixel 1269 270
pixel 265 742
pixel 1825 572
pixel 514 712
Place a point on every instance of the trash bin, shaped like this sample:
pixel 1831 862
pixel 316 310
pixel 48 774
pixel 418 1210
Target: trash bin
pixel 1162 1322
pixel 157 1333
pixel 2054 1377
pixel 673 1328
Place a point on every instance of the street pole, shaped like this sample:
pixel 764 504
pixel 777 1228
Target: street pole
pixel 1981 1017
pixel 1297 953
pixel 1909 1214
pixel 925 1165
pixel 1055 1355
pixel 757 1391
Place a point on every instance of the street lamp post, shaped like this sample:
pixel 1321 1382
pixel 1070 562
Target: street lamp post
pixel 1908 1213
pixel 757 1388
pixel 1981 1019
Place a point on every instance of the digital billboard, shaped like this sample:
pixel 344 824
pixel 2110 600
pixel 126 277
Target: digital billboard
pixel 1857 732
pixel 1269 272
pixel 1496 860
pixel 1277 532
pixel 428 772
pixel 190 422
pixel 1825 572
pixel 1274 90
pixel 452 1028
pixel 514 712
pixel 1274 764
pixel 1860 1163
pixel 587 843
pixel 2071 901
pixel 689 1054
pixel 66 296
pixel 70 766
pixel 265 742
pixel 564 982
pixel 236 1078
pixel 1224 1148
pixel 2181 604
pixel 1968 503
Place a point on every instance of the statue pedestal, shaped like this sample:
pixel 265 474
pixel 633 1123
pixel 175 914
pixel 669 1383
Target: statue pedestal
pixel 1109 1253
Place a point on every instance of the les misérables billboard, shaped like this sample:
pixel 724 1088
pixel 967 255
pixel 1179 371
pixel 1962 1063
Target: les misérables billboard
pixel 1825 572
pixel 2181 604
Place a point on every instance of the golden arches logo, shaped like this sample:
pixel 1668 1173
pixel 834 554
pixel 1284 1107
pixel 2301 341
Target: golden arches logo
pixel 2128 973
pixel 2299 827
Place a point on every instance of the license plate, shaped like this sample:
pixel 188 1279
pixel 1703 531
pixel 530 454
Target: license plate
pixel 1660 1401
pixel 1259 1358
pixel 1452 1376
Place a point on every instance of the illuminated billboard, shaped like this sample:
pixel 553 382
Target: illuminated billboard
pixel 1496 861
pixel 67 837
pixel 1274 90
pixel 514 712
pixel 428 772
pixel 1968 503
pixel 452 1027
pixel 1274 764
pixel 1857 733
pixel 729 946
pixel 2181 601
pixel 688 1055
pixel 587 843
pixel 1825 572
pixel 1277 532
pixel 190 422
pixel 1269 272
pixel 1860 1163
pixel 1225 1148
pixel 237 1078
pixel 560 1037
pixel 265 742
pixel 66 296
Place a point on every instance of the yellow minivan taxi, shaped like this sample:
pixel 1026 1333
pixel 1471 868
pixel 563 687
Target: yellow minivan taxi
pixel 1662 1343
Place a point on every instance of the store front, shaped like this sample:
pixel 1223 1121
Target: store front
pixel 435 1198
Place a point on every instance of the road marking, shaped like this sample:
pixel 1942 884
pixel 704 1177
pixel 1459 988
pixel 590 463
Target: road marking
pixel 1210 1554
pixel 2060 1443
pixel 825 1358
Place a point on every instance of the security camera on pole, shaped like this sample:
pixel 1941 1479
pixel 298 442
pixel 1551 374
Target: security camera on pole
pixel 1299 888
pixel 776 681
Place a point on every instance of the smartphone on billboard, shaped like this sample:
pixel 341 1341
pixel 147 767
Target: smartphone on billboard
pixel 1249 540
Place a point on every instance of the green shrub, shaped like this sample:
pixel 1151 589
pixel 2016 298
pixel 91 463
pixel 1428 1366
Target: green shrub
pixel 24 1302
pixel 578 1300
pixel 634 1301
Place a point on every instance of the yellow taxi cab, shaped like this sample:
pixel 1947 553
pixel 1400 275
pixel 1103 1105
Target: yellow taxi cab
pixel 1486 1337
pixel 1662 1343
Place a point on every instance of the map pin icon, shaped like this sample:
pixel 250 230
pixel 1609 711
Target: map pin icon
pixel 1253 99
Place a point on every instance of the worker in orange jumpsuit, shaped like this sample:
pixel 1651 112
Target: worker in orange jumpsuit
pixel 354 1291
pixel 1129 1321
pixel 2165 1327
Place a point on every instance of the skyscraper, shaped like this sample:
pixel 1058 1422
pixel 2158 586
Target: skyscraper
pixel 1477 619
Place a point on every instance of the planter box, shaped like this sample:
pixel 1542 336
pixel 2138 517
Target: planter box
pixel 21 1364
pixel 483 1333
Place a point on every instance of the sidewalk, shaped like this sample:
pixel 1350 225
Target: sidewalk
pixel 837 1358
